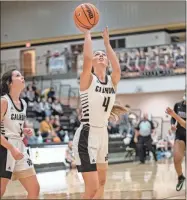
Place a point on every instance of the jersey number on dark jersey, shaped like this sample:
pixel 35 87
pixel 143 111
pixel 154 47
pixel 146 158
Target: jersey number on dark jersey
pixel 106 103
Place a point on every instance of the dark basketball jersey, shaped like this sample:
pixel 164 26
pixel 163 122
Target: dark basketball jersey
pixel 180 109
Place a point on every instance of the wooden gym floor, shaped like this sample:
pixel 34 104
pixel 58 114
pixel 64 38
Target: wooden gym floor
pixel 124 181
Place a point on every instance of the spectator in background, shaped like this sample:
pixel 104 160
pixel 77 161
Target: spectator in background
pixel 142 60
pixel 131 62
pixel 67 56
pixel 74 121
pixel 57 107
pixel 30 94
pixel 46 130
pixel 113 127
pixel 162 59
pixel 75 54
pixel 45 107
pixel 48 56
pixel 143 137
pixel 124 124
pixel 179 59
pixel 57 127
pixel 24 95
pixel 37 108
pixel 33 85
pixel 153 61
pixel 51 93
pixel 50 101
pixel 169 61
pixel 123 61
pixel 69 157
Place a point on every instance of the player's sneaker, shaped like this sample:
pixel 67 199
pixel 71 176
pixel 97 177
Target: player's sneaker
pixel 180 183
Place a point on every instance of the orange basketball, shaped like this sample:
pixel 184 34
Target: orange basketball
pixel 86 15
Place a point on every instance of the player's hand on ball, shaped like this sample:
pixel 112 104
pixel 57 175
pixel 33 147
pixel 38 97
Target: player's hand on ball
pixel 16 153
pixel 28 132
pixel 106 37
pixel 83 30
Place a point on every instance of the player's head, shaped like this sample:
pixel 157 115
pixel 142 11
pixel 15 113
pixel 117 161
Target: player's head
pixel 12 80
pixel 100 60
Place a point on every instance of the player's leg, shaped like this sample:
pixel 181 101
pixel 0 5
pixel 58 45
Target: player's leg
pixel 4 182
pixel 179 149
pixel 102 175
pixel 7 164
pixel 102 164
pixel 91 181
pixel 85 152
pixel 25 173
pixel 28 179
pixel 31 185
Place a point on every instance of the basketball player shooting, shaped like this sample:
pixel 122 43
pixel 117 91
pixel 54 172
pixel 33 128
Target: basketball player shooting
pixel 97 94
pixel 15 162
pixel 180 139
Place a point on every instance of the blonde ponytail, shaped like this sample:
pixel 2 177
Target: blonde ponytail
pixel 117 111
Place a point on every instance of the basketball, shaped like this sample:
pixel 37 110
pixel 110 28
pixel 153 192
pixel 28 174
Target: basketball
pixel 86 15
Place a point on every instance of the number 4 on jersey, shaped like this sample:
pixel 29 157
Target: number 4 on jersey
pixel 106 103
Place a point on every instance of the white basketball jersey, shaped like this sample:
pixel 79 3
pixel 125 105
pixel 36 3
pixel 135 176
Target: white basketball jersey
pixel 14 118
pixel 97 102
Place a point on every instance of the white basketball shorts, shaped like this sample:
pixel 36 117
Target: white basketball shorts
pixel 8 165
pixel 90 146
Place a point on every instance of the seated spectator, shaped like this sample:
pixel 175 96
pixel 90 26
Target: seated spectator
pixel 113 127
pixel 37 108
pixel 69 157
pixel 30 94
pixel 55 120
pixel 57 107
pixel 179 59
pixel 124 125
pixel 132 61
pixel 169 61
pixel 51 93
pixel 153 61
pixel 45 107
pixel 142 60
pixel 24 95
pixel 74 121
pixel 47 131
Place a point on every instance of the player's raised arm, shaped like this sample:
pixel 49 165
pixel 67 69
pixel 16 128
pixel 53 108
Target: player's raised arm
pixel 86 77
pixel 116 70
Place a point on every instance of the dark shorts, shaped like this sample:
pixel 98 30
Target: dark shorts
pixel 181 136
pixel 4 172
